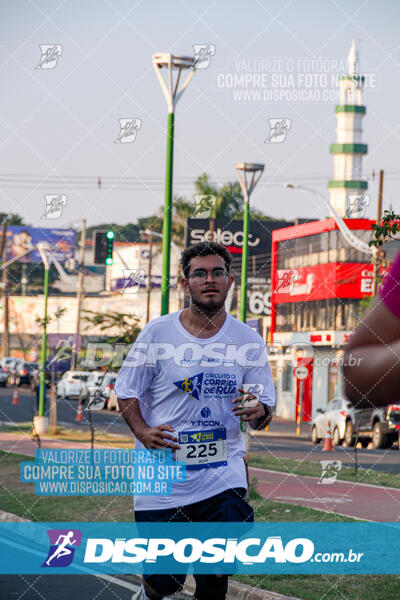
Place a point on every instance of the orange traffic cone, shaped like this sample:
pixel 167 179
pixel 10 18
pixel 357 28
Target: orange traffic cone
pixel 328 445
pixel 79 413
pixel 15 397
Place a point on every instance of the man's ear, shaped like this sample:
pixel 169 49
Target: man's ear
pixel 185 285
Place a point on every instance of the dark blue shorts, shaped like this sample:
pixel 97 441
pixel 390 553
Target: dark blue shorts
pixel 229 506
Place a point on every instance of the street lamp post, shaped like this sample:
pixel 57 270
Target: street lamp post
pixel 247 186
pixel 172 93
pixel 41 421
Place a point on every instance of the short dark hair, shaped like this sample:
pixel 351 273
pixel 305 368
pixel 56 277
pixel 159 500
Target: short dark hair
pixel 204 249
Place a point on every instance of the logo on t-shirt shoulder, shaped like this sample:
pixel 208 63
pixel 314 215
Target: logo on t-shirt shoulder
pixel 191 385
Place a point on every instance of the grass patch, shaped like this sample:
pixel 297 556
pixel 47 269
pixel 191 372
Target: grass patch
pixel 328 587
pixel 299 467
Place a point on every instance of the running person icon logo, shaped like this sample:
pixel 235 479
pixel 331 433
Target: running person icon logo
pixel 191 385
pixel 62 547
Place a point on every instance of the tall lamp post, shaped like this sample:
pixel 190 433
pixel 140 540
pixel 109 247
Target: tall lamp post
pixel 172 93
pixel 41 421
pixel 254 172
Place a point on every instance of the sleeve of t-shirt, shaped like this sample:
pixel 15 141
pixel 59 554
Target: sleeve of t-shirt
pixel 260 374
pixel 389 291
pixel 137 371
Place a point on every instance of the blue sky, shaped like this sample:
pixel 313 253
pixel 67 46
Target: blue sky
pixel 63 122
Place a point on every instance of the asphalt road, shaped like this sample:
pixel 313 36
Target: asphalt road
pixel 104 421
pixel 63 587
pixel 272 445
pixel 303 449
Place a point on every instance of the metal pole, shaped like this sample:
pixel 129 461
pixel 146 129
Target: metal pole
pixel 44 344
pixel 166 242
pixel 24 279
pixel 378 222
pixel 149 268
pixel 246 218
pixel 4 279
pixel 300 410
pixel 4 283
pixel 79 293
pixel 53 404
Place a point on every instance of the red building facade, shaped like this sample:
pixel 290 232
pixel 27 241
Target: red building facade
pixel 318 280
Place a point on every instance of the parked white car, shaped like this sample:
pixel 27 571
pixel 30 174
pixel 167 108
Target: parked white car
pixel 71 383
pixel 93 379
pixel 104 384
pixel 337 412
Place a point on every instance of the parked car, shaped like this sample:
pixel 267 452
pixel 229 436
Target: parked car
pixel 6 361
pixel 105 384
pixel 338 412
pixel 3 377
pixel 70 384
pixel 379 425
pixel 92 379
pixel 9 367
pixel 21 372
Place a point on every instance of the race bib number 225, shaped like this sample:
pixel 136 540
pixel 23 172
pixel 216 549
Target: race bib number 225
pixel 202 449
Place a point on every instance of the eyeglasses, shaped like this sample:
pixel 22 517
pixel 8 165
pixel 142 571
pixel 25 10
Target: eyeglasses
pixel 201 274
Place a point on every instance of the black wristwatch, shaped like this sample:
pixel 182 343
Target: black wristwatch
pixel 267 411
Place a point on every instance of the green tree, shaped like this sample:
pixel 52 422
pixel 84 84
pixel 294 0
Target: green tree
pixel 229 200
pixel 11 219
pixel 125 323
pixel 387 229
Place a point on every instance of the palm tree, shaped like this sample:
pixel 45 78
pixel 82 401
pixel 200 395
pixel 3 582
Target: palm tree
pixel 228 198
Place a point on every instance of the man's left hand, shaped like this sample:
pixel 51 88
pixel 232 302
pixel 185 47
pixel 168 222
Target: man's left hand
pixel 254 414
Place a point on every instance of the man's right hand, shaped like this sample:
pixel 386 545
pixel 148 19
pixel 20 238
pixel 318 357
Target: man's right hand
pixel 155 438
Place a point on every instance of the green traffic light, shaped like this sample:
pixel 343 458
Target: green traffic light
pixel 110 235
pixel 109 261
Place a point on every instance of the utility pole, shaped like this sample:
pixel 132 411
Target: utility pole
pixel 4 284
pixel 79 294
pixel 149 267
pixel 377 261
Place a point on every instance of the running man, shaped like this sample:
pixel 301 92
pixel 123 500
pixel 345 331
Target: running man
pixel 62 550
pixel 204 345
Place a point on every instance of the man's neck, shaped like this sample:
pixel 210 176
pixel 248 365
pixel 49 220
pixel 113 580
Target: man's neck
pixel 201 323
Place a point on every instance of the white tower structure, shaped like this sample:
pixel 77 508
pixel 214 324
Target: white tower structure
pixel 348 149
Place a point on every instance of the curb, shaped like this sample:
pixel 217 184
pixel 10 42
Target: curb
pixel 11 518
pixel 236 590
pixel 286 434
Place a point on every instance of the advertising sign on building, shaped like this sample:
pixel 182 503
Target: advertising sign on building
pixel 229 233
pixel 22 242
pixel 330 280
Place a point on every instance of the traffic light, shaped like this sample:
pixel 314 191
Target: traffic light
pixel 103 242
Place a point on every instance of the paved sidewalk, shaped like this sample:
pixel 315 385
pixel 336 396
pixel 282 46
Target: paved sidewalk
pixel 356 500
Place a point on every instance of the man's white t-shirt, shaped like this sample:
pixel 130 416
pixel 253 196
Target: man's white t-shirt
pixel 189 383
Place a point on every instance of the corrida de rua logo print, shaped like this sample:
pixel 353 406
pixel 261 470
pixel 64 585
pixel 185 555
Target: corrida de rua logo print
pixel 62 547
pixel 207 385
